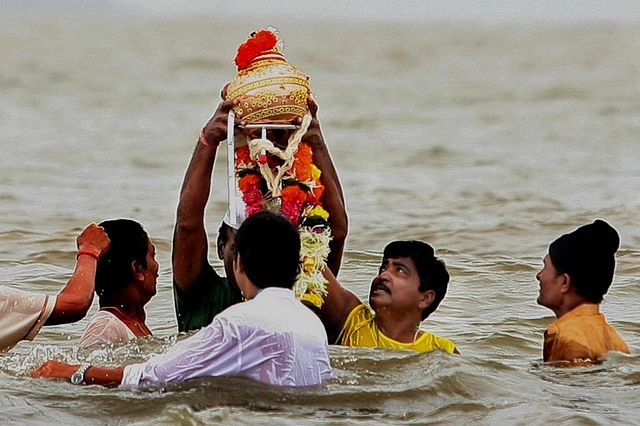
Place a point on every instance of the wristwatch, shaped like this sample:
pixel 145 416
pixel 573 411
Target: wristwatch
pixel 78 377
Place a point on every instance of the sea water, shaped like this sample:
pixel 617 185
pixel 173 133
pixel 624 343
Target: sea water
pixel 487 141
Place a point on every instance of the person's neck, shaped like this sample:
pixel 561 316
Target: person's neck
pixel 250 290
pixel 401 328
pixel 128 310
pixel 569 304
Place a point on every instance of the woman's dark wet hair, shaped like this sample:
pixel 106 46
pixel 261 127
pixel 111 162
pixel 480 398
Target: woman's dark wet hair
pixel 269 245
pixel 431 270
pixel 129 243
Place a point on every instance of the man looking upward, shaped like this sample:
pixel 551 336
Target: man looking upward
pixel 410 285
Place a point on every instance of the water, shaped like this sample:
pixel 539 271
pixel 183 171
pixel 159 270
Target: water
pixel 486 141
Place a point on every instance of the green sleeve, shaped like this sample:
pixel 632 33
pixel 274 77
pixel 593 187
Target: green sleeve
pixel 209 295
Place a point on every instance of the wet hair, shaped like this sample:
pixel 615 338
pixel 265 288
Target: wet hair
pixel 129 243
pixel 223 233
pixel 587 255
pixel 431 270
pixel 269 245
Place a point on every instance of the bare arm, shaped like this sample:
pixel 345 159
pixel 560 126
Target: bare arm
pixel 339 301
pixel 106 376
pixel 190 243
pixel 74 300
pixel 337 305
pixel 332 198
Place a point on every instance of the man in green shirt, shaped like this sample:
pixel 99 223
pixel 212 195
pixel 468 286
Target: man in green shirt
pixel 200 292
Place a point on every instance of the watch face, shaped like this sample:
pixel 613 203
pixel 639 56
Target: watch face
pixel 76 379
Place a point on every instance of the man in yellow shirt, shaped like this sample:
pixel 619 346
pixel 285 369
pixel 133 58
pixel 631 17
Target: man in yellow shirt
pixel 577 273
pixel 410 285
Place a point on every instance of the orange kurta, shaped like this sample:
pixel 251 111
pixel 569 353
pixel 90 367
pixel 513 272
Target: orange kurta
pixel 581 334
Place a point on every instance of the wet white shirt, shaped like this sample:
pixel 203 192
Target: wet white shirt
pixel 105 328
pixel 22 315
pixel 272 338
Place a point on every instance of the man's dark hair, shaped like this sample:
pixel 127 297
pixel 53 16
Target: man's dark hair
pixel 269 245
pixel 588 256
pixel 129 243
pixel 431 270
pixel 223 233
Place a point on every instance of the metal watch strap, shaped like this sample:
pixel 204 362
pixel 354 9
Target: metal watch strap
pixel 78 377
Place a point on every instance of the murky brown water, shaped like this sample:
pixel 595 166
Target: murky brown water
pixel 486 142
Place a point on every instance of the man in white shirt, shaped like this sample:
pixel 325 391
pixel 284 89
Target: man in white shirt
pixel 272 337
pixel 22 313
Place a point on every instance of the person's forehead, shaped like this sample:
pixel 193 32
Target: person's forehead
pixel 401 260
pixel 230 234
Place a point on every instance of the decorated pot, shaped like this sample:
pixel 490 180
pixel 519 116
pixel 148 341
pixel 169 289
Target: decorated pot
pixel 270 89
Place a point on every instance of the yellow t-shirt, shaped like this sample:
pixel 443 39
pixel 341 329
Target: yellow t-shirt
pixel 361 330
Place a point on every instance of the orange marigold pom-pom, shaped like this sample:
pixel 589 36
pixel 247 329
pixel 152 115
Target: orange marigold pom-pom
pixel 258 43
pixel 316 193
pixel 243 156
pixel 305 153
pixel 248 182
pixel 294 194
pixel 303 162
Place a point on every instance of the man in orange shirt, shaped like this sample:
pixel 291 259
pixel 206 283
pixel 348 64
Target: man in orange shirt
pixel 577 273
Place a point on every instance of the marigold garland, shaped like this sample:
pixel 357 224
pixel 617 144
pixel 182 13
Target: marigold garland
pixel 300 203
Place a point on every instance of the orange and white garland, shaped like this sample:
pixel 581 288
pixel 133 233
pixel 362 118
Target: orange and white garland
pixel 289 182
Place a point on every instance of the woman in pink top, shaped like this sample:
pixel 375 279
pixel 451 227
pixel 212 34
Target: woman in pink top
pixel 125 282
pixel 271 338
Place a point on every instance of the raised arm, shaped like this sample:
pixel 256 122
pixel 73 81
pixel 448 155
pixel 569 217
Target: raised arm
pixel 190 243
pixel 74 300
pixel 332 198
pixel 337 305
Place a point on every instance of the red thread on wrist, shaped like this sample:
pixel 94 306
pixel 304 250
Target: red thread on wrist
pixel 88 253
pixel 204 141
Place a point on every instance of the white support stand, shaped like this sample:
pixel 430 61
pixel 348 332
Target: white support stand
pixel 232 185
pixel 233 193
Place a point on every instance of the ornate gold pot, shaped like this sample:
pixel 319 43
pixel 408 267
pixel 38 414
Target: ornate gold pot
pixel 270 90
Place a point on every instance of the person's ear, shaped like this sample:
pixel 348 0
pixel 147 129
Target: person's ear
pixel 565 285
pixel 239 274
pixel 427 299
pixel 238 266
pixel 220 248
pixel 137 270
